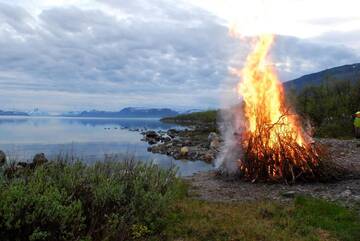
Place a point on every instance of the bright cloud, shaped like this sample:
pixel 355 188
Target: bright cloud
pixel 301 18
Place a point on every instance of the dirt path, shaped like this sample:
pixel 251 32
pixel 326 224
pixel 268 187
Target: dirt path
pixel 208 186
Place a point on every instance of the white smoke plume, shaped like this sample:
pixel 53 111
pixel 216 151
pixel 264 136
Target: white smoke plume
pixel 231 126
pixel 231 121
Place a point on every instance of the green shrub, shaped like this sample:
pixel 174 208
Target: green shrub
pixel 104 201
pixel 336 128
pixel 329 106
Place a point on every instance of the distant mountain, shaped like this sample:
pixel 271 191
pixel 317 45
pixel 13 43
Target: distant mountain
pixel 12 113
pixel 346 72
pixel 144 112
pixel 71 113
pixel 126 112
pixel 37 112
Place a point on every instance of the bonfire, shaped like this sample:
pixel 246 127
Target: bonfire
pixel 274 144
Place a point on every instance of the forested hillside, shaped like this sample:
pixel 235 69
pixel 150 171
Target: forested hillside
pixel 329 106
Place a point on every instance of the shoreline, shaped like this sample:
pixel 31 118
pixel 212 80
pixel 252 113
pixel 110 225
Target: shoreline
pixel 209 186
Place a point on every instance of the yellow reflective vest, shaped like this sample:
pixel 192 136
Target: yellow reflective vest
pixel 357 119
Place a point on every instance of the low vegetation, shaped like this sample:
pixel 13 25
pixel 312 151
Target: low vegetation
pixel 203 118
pixel 329 106
pixel 134 201
pixel 73 201
pixel 304 219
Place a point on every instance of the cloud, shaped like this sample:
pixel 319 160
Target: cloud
pixel 90 52
pixel 16 18
pixel 166 53
pixel 343 38
pixel 296 57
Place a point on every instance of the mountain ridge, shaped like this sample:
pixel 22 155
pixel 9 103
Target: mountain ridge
pixel 126 112
pixel 349 72
pixel 13 113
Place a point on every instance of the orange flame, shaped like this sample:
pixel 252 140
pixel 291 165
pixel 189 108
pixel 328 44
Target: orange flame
pixel 272 132
pixel 263 95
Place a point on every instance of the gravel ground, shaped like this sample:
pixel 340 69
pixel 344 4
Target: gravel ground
pixel 208 186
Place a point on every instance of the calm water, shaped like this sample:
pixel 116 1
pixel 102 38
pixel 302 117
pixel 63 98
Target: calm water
pixel 90 139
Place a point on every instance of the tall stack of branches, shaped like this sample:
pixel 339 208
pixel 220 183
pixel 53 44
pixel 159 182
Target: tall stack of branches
pixel 284 160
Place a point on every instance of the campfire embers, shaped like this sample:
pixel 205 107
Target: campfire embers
pixel 273 142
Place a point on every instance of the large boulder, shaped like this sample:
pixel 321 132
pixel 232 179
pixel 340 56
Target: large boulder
pixel 2 158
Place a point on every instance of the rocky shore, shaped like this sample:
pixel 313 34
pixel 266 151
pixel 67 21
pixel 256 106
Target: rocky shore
pixel 190 144
pixel 210 186
pixel 200 144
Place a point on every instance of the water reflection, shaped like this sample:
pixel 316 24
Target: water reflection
pixel 140 123
pixel 90 139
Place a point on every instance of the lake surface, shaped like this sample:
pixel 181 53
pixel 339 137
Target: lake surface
pixel 90 139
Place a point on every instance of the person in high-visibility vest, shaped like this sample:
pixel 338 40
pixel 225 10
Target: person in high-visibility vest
pixel 357 124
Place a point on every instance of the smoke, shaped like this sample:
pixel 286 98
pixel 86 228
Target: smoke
pixel 230 125
pixel 231 119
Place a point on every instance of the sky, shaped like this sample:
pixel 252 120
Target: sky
pixel 65 55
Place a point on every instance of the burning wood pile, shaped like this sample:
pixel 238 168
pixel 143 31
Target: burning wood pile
pixel 274 144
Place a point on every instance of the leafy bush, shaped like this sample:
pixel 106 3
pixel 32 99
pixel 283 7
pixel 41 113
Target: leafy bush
pixel 336 128
pixel 330 106
pixel 104 201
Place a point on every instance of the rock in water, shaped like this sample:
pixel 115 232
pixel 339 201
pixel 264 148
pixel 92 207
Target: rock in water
pixel 151 134
pixel 2 158
pixel 152 137
pixel 39 159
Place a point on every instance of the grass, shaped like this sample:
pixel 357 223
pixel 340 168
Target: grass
pixel 305 219
pixel 320 214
